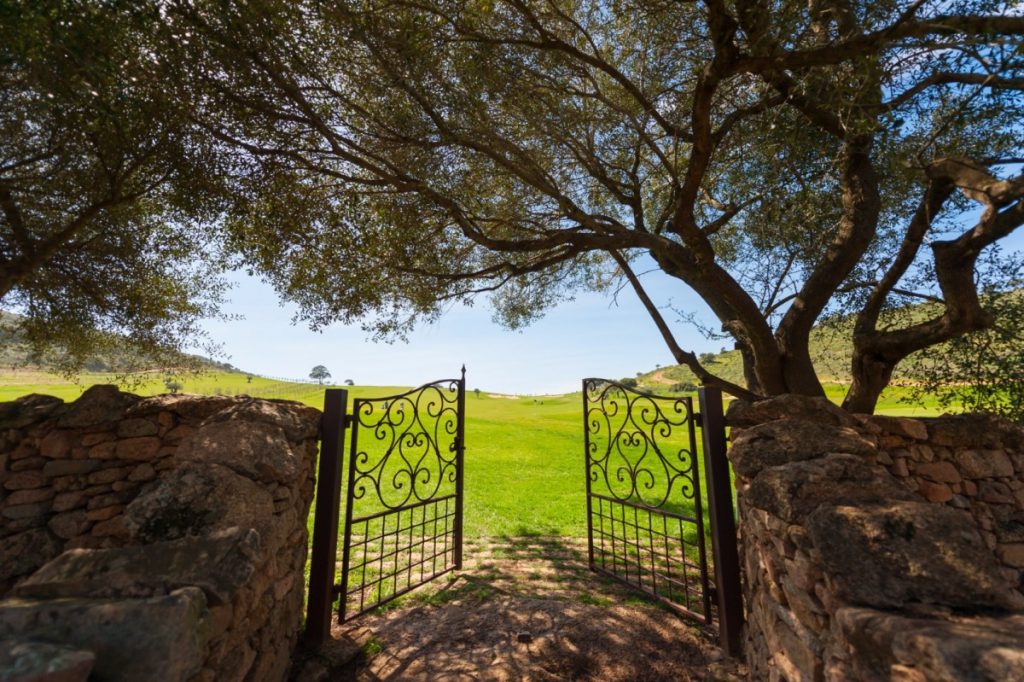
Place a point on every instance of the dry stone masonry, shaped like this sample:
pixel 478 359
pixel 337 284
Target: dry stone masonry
pixel 153 538
pixel 879 548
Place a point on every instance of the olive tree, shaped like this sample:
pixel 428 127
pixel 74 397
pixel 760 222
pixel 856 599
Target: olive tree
pixel 785 161
pixel 106 185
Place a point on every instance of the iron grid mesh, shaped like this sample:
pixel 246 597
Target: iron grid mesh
pixel 395 551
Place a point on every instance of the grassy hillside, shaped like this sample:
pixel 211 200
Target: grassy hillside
pixel 15 353
pixel 524 459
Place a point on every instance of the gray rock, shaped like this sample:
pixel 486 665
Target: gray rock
pixel 794 490
pixel 100 404
pixel 197 499
pixel 25 552
pixel 958 650
pixel 220 564
pixel 299 422
pixel 820 410
pixel 1008 522
pixel 162 639
pixel 26 661
pixel 888 554
pixel 192 407
pixel 984 431
pixel 256 450
pixel 792 440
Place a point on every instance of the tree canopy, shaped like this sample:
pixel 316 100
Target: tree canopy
pixel 106 184
pixel 784 160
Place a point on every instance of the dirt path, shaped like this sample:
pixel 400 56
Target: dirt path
pixel 526 609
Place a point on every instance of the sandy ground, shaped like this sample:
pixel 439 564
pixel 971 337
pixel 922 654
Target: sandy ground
pixel 522 609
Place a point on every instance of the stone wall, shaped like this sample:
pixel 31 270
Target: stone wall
pixel 878 548
pixel 161 538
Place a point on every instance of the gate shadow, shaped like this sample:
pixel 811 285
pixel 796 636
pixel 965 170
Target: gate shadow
pixel 528 607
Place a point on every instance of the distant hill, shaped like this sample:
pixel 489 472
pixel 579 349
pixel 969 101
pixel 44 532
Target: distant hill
pixel 15 353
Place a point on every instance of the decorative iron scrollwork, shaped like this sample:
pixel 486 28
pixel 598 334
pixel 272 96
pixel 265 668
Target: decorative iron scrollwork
pixel 636 443
pixel 414 444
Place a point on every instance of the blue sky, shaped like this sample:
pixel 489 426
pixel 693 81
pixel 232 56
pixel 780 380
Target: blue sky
pixel 590 336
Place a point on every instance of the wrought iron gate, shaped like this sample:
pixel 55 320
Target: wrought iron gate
pixel 649 498
pixel 403 502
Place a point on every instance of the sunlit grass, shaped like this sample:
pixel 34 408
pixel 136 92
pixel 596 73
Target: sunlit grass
pixel 524 455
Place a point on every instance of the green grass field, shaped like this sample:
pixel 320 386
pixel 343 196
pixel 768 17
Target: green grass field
pixel 524 455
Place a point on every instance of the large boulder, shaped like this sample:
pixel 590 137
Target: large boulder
pixel 889 554
pixel 220 564
pixel 792 440
pixel 256 450
pixel 162 639
pixel 25 552
pixel 198 499
pixel 980 649
pixel 299 422
pixel 794 490
pixel 102 404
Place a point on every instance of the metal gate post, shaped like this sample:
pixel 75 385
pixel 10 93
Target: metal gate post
pixel 460 465
pixel 728 590
pixel 325 522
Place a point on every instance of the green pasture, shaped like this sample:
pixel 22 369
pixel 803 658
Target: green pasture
pixel 524 455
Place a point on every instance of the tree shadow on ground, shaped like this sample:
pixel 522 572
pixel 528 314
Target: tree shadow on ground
pixel 528 607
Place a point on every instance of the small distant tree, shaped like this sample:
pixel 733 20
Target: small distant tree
pixel 477 391
pixel 349 382
pixel 707 358
pixel 629 382
pixel 319 373
pixel 248 378
pixel 172 386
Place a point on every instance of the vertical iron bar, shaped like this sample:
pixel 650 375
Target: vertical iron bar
pixel 460 452
pixel 325 521
pixel 723 522
pixel 347 550
pixel 698 508
pixel 590 503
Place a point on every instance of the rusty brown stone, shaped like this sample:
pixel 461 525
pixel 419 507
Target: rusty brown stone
pixel 69 524
pixel 56 445
pixel 104 450
pixel 24 450
pixel 29 496
pixel 27 464
pixel 136 427
pixel 25 480
pixel 25 511
pixel 69 467
pixel 940 472
pixel 178 433
pixel 145 447
pixel 104 513
pixel 899 467
pixel 91 439
pixel 143 472
pixel 935 492
pixel 1012 554
pixel 67 501
pixel 113 527
pixel 108 475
